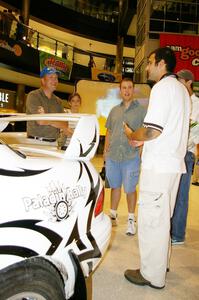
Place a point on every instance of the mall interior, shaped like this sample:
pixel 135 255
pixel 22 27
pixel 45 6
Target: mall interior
pixel 94 43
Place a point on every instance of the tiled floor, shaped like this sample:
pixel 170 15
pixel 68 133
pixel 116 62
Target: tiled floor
pixel 182 281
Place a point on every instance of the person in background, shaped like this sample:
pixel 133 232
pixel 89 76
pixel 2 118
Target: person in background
pixel 91 63
pixel 164 133
pixel 122 162
pixel 65 51
pixel 43 100
pixel 179 219
pixel 196 169
pixel 20 29
pixel 74 101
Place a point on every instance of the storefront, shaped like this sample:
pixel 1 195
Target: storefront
pixel 7 101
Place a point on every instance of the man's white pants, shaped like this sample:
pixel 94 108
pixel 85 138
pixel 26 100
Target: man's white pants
pixel 157 196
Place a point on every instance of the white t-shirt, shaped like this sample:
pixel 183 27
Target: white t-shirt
pixel 195 108
pixel 194 126
pixel 168 112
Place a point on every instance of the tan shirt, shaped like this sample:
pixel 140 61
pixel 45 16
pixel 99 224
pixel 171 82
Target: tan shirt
pixel 120 149
pixel 36 99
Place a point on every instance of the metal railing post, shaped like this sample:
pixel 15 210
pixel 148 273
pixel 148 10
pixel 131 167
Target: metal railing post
pixel 37 40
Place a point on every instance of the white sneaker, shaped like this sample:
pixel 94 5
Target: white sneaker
pixel 131 227
pixel 113 220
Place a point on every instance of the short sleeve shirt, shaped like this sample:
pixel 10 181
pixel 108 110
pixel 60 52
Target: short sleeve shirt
pixel 195 108
pixel 119 149
pixel 194 125
pixel 36 99
pixel 168 112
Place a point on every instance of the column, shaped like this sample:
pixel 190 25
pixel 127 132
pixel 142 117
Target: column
pixel 20 98
pixel 25 11
pixel 120 43
pixel 119 54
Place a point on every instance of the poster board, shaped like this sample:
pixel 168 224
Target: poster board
pixel 186 48
pixel 99 98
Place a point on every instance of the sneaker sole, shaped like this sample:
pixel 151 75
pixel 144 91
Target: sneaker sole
pixel 113 221
pixel 130 234
pixel 177 243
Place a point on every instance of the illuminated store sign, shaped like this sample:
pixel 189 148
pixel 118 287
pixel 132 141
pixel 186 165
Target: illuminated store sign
pixel 186 48
pixel 4 97
pixel 7 99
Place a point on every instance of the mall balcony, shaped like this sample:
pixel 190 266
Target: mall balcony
pixel 23 46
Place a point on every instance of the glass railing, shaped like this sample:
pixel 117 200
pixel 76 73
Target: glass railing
pixel 20 32
pixel 107 10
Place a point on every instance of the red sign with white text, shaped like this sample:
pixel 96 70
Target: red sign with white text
pixel 186 48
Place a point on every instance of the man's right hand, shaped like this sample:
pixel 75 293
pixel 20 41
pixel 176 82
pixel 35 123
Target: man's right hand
pixel 68 131
pixel 134 143
pixel 127 130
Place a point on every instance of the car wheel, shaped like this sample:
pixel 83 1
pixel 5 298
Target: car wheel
pixel 32 279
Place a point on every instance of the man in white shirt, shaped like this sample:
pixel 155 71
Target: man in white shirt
pixel 179 219
pixel 165 133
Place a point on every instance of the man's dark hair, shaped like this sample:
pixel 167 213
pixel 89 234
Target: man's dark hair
pixel 167 55
pixel 126 79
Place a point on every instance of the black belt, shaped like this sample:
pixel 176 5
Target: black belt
pixel 64 147
pixel 41 139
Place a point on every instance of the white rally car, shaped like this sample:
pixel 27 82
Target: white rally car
pixel 53 232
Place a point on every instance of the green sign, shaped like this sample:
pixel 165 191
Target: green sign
pixel 64 66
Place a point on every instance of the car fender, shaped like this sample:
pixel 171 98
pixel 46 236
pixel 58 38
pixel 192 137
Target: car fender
pixel 72 275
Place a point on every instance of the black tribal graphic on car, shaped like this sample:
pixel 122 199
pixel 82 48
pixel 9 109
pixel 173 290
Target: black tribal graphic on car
pixel 75 232
pixel 92 144
pixel 33 225
pixel 21 173
pixel 55 238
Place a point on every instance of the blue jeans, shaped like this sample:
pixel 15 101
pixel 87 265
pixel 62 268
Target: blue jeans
pixel 179 219
pixel 123 172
